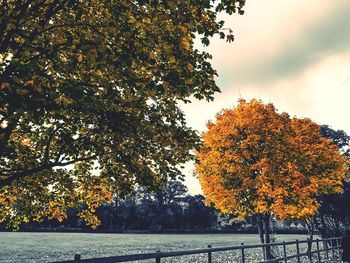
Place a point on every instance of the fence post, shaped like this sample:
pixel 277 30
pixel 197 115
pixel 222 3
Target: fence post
pixel 284 251
pixel 325 246
pixel 318 250
pixel 77 257
pixel 338 247
pixel 264 252
pixel 332 244
pixel 309 249
pixel 298 251
pixel 242 253
pixel 209 254
pixel 158 256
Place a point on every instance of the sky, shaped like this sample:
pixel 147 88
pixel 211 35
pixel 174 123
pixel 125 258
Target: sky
pixel 292 53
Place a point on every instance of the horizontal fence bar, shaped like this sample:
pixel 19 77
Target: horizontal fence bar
pixel 114 259
pixel 210 250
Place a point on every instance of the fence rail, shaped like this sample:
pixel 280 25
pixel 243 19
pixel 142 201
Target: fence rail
pixel 328 245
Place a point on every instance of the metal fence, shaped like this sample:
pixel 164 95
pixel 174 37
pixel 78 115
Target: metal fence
pixel 318 250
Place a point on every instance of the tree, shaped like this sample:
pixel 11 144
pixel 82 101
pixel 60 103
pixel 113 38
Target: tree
pixel 334 211
pixel 255 161
pixel 339 138
pixel 145 210
pixel 331 216
pixel 173 192
pixel 96 84
pixel 197 214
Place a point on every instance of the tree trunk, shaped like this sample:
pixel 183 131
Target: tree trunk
pixel 261 229
pixel 267 231
pixel 310 229
pixel 261 233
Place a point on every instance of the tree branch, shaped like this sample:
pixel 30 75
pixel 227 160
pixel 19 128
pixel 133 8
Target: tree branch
pixel 29 172
pixel 47 149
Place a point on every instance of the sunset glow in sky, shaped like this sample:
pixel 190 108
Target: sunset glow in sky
pixel 293 53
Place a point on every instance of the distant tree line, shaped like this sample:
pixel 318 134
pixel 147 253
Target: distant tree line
pixel 171 208
pixel 174 208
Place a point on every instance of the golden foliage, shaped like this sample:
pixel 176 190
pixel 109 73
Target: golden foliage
pixel 26 201
pixel 256 161
pixel 80 58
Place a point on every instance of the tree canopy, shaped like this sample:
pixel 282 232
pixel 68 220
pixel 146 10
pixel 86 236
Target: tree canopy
pixel 339 138
pixel 334 212
pixel 96 84
pixel 256 161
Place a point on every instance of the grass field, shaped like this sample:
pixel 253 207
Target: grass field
pixel 44 247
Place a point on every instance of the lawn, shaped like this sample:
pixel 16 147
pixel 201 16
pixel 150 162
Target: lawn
pixel 44 247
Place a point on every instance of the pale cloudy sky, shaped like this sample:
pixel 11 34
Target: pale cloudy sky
pixel 293 53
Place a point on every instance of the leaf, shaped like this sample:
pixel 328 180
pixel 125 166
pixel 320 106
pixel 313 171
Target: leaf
pixel 30 82
pixel 4 85
pixel 230 38
pixel 80 57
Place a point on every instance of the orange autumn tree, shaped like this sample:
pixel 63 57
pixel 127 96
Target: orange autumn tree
pixel 256 161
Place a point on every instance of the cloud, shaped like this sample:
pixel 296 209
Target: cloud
pixel 326 37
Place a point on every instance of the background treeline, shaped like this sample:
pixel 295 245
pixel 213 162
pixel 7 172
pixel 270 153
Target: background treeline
pixel 173 208
pixel 170 208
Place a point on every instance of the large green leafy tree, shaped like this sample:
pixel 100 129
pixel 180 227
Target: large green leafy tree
pixel 96 84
